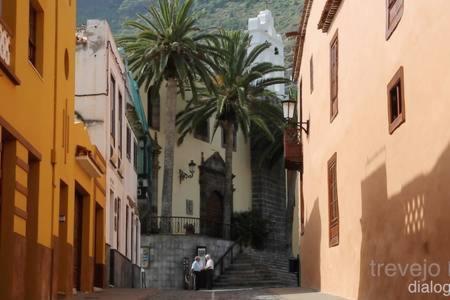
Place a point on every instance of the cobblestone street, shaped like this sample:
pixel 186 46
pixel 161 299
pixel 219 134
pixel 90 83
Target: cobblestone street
pixel 252 294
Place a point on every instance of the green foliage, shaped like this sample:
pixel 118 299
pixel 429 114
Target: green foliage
pixel 166 44
pixel 241 97
pixel 226 14
pixel 250 228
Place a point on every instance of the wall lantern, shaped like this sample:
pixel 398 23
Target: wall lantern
pixel 293 148
pixel 289 107
pixel 184 175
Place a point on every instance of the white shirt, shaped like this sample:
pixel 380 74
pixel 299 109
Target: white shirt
pixel 196 266
pixel 210 264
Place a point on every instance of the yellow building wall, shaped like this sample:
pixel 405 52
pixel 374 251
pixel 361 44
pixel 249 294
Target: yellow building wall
pixel 36 122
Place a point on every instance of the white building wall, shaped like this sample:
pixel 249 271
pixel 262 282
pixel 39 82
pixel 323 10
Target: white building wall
pixel 262 29
pixel 96 61
pixel 192 149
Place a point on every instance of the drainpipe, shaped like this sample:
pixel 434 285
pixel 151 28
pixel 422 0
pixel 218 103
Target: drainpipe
pixel 53 152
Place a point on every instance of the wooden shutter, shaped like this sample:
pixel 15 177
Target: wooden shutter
pixel 394 13
pixel 334 70
pixel 333 207
pixel 311 74
pixel 32 35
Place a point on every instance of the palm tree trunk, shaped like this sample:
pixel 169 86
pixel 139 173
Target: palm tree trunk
pixel 169 148
pixel 228 127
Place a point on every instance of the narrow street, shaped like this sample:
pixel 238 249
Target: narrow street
pixel 256 294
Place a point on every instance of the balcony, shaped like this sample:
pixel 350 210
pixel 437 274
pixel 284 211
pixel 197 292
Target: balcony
pixel 6 52
pixel 293 150
pixel 88 163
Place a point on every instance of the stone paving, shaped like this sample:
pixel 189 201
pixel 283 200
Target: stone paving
pixel 250 294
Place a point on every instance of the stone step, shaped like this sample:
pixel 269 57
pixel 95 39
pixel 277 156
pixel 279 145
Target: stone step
pixel 259 283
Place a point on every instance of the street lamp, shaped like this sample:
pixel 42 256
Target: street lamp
pixel 184 175
pixel 289 107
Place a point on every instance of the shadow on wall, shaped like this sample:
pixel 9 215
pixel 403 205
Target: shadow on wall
pixel 409 227
pixel 310 250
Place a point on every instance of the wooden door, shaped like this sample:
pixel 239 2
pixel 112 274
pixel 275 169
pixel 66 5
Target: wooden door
pixel 214 214
pixel 98 240
pixel 77 241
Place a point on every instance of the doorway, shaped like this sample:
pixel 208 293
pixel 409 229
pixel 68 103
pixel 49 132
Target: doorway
pixel 77 240
pixel 62 236
pixel 99 271
pixel 212 188
pixel 214 214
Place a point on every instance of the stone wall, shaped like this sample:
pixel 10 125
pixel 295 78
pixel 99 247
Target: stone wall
pixel 167 253
pixel 269 199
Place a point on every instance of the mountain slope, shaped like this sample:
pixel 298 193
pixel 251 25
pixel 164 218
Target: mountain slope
pixel 232 14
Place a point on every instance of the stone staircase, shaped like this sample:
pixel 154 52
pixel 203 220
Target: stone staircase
pixel 254 268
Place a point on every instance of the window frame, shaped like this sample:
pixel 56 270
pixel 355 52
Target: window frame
pixel 392 24
pixel 333 202
pixel 334 77
pixel 397 79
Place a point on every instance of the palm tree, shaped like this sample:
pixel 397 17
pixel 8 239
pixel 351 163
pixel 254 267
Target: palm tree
pixel 167 47
pixel 241 100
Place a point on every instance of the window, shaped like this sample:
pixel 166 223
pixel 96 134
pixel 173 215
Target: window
pixel 396 101
pixel 32 35
pixel 154 111
pixel 333 208
pixel 120 123
pixel 135 153
pixel 276 52
pixel 394 13
pixel 126 229
pixel 224 143
pixel 202 131
pixel 311 74
pixel 112 91
pixel 334 70
pixel 189 207
pixel 129 143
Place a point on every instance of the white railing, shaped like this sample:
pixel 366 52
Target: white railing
pixel 5 44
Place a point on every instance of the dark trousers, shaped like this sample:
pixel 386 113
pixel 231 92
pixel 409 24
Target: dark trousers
pixel 209 279
pixel 196 280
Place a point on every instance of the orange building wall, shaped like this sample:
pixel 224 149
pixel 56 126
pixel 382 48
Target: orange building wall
pixel 393 190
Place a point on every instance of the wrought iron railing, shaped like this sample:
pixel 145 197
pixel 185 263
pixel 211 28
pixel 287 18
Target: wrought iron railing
pixel 189 226
pixel 227 258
